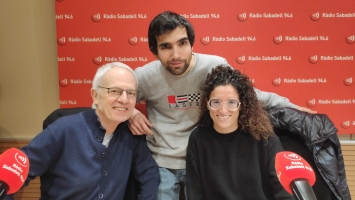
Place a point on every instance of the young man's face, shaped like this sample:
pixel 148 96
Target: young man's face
pixel 175 51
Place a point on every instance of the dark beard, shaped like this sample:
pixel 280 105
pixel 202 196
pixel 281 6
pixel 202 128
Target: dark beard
pixel 178 72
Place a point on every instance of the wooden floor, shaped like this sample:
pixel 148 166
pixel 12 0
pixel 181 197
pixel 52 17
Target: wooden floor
pixel 32 191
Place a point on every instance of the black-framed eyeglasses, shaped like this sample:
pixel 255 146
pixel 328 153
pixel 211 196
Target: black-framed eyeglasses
pixel 117 92
pixel 231 104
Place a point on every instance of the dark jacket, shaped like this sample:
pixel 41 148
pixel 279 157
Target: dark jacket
pixel 73 163
pixel 319 135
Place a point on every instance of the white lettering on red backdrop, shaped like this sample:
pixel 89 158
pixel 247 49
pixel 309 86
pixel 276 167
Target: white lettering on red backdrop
pixel 304 52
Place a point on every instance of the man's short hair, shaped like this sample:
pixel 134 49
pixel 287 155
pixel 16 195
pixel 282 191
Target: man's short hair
pixel 165 22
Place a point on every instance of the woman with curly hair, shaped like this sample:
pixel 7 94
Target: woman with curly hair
pixel 231 154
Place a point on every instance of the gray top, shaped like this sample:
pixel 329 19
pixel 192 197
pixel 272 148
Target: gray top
pixel 173 105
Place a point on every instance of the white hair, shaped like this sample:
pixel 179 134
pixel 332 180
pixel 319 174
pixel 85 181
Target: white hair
pixel 101 71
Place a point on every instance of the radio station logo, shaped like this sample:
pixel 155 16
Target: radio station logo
pixel 64 16
pixel 292 156
pixel 205 40
pixel 63 82
pixel 345 124
pixel 241 59
pixel 96 17
pixel 242 17
pixel 133 40
pixel 338 15
pixel 98 60
pixel 348 81
pixel 311 103
pixel 350 39
pixel 336 58
pixel 306 38
pixel 22 160
pixel 276 81
pixel 268 58
pixel 313 59
pixel 66 102
pixel 66 59
pixel 315 16
pixel 278 39
pixel 304 80
pixel 61 41
pixel 124 16
pixel 201 16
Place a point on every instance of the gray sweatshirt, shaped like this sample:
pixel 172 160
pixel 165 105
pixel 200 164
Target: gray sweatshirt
pixel 173 105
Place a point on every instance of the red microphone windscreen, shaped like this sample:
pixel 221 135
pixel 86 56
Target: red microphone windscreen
pixel 290 166
pixel 14 167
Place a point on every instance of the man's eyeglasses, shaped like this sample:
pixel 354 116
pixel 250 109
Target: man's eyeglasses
pixel 117 92
pixel 231 104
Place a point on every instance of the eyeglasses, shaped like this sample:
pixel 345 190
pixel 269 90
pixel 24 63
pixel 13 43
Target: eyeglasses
pixel 117 92
pixel 231 104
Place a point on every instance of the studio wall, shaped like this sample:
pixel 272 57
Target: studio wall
pixel 303 50
pixel 28 71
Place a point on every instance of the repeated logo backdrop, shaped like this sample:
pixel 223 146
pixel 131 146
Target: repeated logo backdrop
pixel 303 50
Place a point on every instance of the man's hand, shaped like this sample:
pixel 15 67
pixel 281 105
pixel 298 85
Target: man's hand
pixel 139 124
pixel 307 110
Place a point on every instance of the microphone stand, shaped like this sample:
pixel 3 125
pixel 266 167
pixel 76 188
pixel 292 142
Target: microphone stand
pixel 302 190
pixel 3 189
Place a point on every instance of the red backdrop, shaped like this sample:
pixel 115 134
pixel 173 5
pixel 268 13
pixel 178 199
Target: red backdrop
pixel 303 50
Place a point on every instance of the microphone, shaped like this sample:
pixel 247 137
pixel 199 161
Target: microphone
pixel 14 166
pixel 295 175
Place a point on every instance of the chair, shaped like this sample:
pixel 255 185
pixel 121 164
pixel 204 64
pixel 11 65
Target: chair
pixel 60 113
pixel 314 137
pixel 291 142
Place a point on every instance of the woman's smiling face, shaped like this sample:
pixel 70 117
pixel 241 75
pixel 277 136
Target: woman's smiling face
pixel 224 120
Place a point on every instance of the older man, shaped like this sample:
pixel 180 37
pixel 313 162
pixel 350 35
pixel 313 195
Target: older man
pixel 89 155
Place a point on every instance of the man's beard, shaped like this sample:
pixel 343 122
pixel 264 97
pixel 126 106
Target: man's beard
pixel 181 70
pixel 178 71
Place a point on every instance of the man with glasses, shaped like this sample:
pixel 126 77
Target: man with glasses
pixel 171 87
pixel 89 155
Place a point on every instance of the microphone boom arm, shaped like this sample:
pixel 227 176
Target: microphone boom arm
pixel 4 187
pixel 302 190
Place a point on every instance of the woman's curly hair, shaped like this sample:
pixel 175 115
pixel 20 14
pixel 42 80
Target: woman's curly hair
pixel 252 116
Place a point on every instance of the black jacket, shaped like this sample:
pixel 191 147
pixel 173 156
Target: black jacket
pixel 319 135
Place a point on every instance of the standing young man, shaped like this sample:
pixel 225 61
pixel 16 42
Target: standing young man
pixel 171 88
